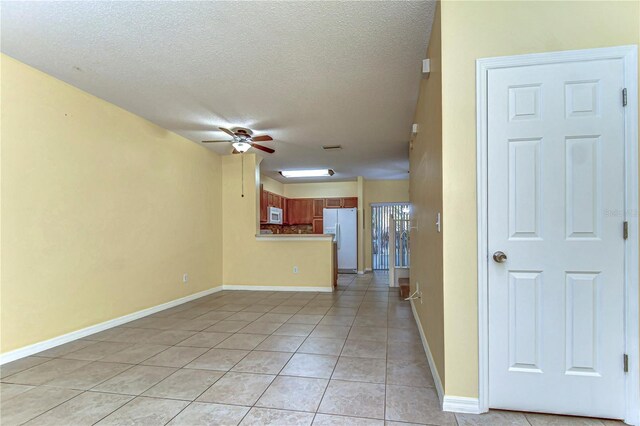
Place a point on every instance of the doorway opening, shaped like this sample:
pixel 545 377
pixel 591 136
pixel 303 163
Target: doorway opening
pixel 381 214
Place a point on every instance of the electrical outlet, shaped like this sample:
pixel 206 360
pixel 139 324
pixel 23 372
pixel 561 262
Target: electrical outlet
pixel 418 291
pixel 185 278
pixel 295 269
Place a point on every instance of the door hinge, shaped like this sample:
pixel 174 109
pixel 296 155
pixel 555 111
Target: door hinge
pixel 624 97
pixel 625 230
pixel 626 363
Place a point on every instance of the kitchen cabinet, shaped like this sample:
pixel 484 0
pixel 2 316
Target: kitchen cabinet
pixel 333 203
pixel 300 211
pixel 318 226
pixel 318 206
pixel 263 204
pixel 270 199
pixel 285 210
pixel 351 202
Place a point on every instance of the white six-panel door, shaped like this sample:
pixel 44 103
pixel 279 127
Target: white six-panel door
pixel 556 209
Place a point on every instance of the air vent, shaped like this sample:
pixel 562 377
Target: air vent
pixel 331 147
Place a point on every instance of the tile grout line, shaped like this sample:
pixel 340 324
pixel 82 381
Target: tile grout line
pixel 267 387
pixel 82 391
pixel 332 370
pixel 225 373
pixel 213 307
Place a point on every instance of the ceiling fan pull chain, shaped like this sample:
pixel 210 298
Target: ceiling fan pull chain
pixel 242 159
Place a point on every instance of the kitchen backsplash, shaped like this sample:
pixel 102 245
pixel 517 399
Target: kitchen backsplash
pixel 288 229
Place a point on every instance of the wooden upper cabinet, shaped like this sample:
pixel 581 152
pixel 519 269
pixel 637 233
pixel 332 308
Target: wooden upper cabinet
pixel 273 199
pixel 263 204
pixel 318 207
pixel 284 205
pixel 307 211
pixel 300 211
pixel 350 202
pixel 270 199
pixel 333 202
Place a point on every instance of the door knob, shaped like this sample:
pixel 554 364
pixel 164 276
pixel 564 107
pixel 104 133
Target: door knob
pixel 499 257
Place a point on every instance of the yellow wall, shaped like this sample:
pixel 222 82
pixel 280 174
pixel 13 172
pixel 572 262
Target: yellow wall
pixel 251 261
pixel 321 190
pixel 426 198
pixel 472 30
pixel 380 191
pixel 102 212
pixel 272 185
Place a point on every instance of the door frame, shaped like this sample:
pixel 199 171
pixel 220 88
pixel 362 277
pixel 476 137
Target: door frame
pixel 629 56
pixel 371 206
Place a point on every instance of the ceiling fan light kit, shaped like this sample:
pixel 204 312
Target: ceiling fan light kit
pixel 306 173
pixel 241 146
pixel 243 140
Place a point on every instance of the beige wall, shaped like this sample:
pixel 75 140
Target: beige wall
pixel 251 261
pixel 426 198
pixel 321 189
pixel 380 191
pixel 272 185
pixel 102 212
pixel 472 30
pixel 311 189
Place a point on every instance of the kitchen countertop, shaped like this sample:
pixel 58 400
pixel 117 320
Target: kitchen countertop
pixel 294 237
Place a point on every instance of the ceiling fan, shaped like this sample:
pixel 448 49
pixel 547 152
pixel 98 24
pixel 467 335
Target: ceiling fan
pixel 243 139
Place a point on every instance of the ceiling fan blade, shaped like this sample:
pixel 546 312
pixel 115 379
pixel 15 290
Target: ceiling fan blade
pixel 262 138
pixel 216 141
pixel 227 131
pixel 235 151
pixel 263 148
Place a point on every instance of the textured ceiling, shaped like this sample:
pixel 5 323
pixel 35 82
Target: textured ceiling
pixel 307 73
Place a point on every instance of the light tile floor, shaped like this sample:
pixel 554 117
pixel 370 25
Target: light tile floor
pixel 353 357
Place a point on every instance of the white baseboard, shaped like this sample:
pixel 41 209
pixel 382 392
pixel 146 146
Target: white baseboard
pixel 360 272
pixel 368 270
pixel 427 351
pixel 455 404
pixel 461 404
pixel 275 288
pixel 78 334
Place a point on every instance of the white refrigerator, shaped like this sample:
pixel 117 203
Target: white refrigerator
pixel 343 224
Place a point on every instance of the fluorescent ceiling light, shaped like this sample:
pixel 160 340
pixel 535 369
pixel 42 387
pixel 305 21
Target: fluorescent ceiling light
pixel 306 173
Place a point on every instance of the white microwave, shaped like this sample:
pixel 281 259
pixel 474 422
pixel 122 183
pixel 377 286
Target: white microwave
pixel 274 216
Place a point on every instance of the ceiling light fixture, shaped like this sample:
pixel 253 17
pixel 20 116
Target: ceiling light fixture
pixel 306 173
pixel 241 146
